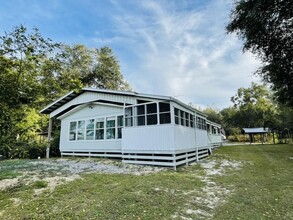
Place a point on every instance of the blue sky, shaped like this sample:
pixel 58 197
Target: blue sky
pixel 175 47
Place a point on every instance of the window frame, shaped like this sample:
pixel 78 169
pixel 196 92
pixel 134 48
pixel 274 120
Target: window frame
pixel 99 120
pixel 89 129
pixel 75 127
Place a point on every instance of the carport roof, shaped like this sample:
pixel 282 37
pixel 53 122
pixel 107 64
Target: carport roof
pixel 255 130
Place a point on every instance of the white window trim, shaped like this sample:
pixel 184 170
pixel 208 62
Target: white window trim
pixel 95 121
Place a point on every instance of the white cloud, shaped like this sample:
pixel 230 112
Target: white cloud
pixel 167 47
pixel 183 51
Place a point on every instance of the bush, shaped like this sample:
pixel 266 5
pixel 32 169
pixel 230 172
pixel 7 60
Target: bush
pixel 238 138
pixel 54 149
pixel 22 150
pixel 36 150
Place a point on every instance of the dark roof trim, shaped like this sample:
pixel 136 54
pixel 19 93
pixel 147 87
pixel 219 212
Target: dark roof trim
pixel 71 95
pixel 59 102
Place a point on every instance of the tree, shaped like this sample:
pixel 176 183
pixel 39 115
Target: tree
pixel 22 56
pixel 266 28
pixel 255 106
pixel 213 114
pixel 229 121
pixel 34 71
pixel 84 67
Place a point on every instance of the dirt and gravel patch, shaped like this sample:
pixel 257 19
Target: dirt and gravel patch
pixel 211 195
pixel 58 171
pixel 92 166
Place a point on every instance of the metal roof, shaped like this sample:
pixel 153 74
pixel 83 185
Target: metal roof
pixel 255 130
pixel 73 94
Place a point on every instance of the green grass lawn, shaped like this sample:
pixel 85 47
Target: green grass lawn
pixel 260 188
pixel 263 187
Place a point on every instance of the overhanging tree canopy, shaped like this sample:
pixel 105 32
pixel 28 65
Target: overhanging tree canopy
pixel 266 27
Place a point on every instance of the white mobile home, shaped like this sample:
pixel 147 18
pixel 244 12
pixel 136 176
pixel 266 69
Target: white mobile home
pixel 138 128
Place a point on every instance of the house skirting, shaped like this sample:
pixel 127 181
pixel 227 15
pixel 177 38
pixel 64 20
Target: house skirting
pixel 158 158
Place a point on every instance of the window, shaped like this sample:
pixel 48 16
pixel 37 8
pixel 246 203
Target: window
pixel 187 119
pixel 198 125
pixel 191 121
pixel 140 115
pixel 182 118
pixel 97 129
pixel 152 114
pixel 128 116
pixel 176 112
pixel 72 131
pixel 204 124
pixel 80 130
pixel 100 129
pixel 214 130
pixel 119 126
pixel 110 128
pixel 209 128
pixel 165 116
pixel 90 125
pixel 201 123
pixel 148 113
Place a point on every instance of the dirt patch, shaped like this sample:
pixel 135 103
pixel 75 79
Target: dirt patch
pixel 56 172
pixel 89 166
pixel 55 181
pixel 16 201
pixel 213 167
pixel 7 183
pixel 211 195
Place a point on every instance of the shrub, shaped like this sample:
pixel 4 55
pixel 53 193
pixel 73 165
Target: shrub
pixel 54 149
pixel 36 150
pixel 21 149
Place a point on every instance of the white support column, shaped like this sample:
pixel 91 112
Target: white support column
pixel 158 113
pixel 172 114
pixel 195 127
pixel 174 162
pixel 49 138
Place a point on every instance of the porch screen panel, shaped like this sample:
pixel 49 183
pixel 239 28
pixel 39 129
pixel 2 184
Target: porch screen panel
pixel 152 118
pixel 128 116
pixel 182 118
pixel 176 112
pixel 191 120
pixel 187 120
pixel 140 115
pixel 165 116
pixel 119 126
